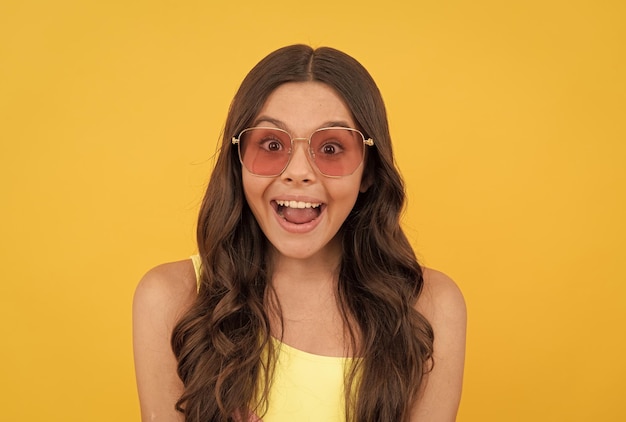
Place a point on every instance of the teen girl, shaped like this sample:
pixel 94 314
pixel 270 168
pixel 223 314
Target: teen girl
pixel 306 301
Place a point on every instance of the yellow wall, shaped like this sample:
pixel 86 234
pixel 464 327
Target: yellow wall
pixel 508 118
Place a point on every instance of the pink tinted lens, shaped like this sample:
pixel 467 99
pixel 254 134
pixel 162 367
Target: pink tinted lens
pixel 264 151
pixel 337 151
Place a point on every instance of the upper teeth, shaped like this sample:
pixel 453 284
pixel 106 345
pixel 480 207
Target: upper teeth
pixel 298 204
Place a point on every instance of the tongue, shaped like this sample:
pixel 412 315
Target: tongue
pixel 299 215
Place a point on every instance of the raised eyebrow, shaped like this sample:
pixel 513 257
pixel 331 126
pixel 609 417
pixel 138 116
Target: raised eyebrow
pixel 281 125
pixel 339 123
pixel 267 119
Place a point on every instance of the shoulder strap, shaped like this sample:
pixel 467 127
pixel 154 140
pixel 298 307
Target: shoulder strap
pixel 197 266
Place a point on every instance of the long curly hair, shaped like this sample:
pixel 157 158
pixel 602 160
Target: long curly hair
pixel 222 344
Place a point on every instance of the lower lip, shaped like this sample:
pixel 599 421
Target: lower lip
pixel 298 228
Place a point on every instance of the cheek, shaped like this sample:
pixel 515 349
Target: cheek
pixel 254 189
pixel 346 194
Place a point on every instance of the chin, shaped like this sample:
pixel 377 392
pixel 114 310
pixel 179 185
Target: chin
pixel 302 252
pixel 304 249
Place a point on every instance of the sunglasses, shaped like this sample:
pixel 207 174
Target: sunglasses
pixel 335 151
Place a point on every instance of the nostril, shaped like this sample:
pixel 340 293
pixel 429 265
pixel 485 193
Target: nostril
pixel 291 179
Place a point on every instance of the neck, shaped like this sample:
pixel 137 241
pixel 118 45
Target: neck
pixel 305 288
pixel 306 315
pixel 318 269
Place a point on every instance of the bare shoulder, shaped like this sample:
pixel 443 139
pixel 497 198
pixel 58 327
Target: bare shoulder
pixel 171 276
pixel 440 297
pixel 443 305
pixel 168 288
pixel 162 297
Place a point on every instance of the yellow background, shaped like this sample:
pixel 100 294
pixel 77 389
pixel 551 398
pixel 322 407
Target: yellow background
pixel 508 121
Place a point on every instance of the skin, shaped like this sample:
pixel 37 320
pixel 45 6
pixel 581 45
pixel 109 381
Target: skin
pixel 300 109
pixel 309 255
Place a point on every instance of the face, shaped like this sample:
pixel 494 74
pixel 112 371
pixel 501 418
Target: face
pixel 301 211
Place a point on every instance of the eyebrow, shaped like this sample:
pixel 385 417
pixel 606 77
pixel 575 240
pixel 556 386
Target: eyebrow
pixel 282 125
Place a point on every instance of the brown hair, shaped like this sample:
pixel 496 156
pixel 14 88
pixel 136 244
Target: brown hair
pixel 220 342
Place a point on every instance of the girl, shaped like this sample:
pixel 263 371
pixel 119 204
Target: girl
pixel 306 301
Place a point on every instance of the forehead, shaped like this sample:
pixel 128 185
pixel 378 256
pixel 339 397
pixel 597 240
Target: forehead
pixel 302 107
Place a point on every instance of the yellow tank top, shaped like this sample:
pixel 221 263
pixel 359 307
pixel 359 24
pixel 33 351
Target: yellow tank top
pixel 306 387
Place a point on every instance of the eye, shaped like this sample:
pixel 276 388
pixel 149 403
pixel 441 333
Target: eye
pixel 270 143
pixel 330 149
pixel 332 144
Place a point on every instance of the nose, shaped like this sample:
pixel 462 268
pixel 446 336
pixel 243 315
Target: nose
pixel 300 168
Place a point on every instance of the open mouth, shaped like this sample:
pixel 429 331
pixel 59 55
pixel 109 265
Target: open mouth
pixel 298 212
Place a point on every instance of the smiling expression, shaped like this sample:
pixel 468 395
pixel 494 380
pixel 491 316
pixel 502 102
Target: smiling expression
pixel 301 211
